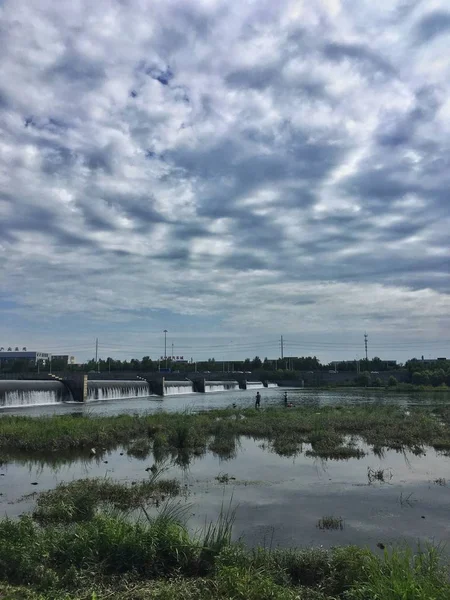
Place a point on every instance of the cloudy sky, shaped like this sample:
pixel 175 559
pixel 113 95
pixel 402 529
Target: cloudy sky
pixel 228 171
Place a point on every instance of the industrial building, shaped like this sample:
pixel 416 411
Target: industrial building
pixel 67 359
pixel 29 355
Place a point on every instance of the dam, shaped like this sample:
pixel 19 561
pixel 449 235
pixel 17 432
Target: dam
pixel 221 386
pixel 116 390
pixel 14 393
pixel 253 385
pixel 178 387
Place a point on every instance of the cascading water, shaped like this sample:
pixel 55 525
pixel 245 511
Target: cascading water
pixel 272 385
pixel 116 390
pixel 171 388
pixel 22 393
pixel 253 385
pixel 221 386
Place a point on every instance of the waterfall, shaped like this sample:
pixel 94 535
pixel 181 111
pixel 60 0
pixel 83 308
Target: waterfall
pixel 272 385
pixel 116 390
pixel 221 386
pixel 22 393
pixel 172 388
pixel 253 385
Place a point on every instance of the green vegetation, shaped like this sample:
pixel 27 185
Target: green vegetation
pixel 179 436
pixel 378 475
pixel 80 500
pixel 330 522
pixel 109 557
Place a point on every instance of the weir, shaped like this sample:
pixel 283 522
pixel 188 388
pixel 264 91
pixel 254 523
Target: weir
pixel 171 388
pixel 221 386
pixel 16 393
pixel 251 385
pixel 116 389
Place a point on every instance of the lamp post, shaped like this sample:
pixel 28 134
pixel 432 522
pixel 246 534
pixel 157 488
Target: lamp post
pixel 165 346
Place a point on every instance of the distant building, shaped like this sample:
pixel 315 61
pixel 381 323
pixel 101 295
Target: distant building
pixel 66 358
pixel 429 361
pixel 31 356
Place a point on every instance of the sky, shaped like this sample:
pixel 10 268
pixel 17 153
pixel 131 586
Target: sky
pixel 228 171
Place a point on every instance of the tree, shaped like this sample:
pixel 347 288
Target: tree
pixel 416 378
pixel 437 377
pixel 377 382
pixel 363 379
pixel 392 381
pixel 147 363
pixel 256 363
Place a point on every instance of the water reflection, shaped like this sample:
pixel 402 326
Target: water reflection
pixel 285 494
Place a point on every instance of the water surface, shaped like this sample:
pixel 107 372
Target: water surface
pixel 279 499
pixel 242 398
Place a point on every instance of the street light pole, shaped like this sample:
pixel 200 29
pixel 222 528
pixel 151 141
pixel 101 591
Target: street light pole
pixel 165 346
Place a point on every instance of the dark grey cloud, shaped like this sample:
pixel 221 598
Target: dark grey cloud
pixel 369 60
pixel 432 25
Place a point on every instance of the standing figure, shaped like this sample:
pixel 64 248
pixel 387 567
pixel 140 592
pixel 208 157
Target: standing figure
pixel 285 398
pixel 258 400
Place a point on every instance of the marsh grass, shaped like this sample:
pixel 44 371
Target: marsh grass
pixel 330 523
pixel 381 475
pixel 224 445
pixel 80 500
pixel 440 481
pixel 110 557
pixel 188 433
pixel 338 453
pixel 140 448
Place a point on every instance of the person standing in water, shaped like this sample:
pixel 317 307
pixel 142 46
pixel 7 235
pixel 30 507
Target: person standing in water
pixel 285 398
pixel 258 400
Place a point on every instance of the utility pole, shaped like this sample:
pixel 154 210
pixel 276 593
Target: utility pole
pixel 282 348
pixel 165 346
pixel 96 353
pixel 365 344
pixel 172 350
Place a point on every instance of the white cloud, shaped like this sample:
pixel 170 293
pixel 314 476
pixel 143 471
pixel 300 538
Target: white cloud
pixel 224 160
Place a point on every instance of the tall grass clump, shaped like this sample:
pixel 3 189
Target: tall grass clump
pixel 402 574
pixel 111 557
pixel 216 537
pixel 80 500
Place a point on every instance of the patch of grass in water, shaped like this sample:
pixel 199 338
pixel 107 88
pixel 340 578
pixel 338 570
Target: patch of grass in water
pixel 440 481
pixel 378 475
pixel 80 500
pixel 286 446
pixel 225 478
pixel 378 426
pixel 225 446
pixel 140 449
pixel 330 523
pixel 339 453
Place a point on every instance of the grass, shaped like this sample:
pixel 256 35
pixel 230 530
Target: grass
pixel 330 522
pixel 110 557
pixel 80 500
pixel 225 478
pixel 182 435
pixel 378 475
pixel 337 453
pixel 440 481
